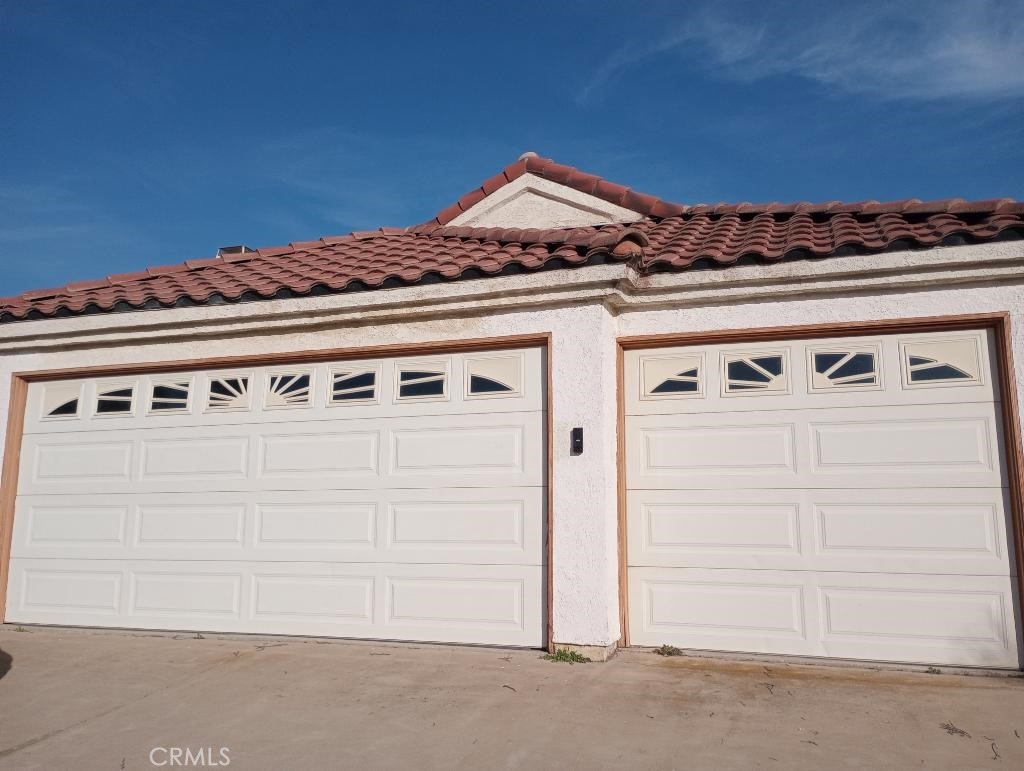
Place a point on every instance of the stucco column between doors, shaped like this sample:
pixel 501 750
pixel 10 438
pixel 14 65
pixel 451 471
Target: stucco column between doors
pixel 584 494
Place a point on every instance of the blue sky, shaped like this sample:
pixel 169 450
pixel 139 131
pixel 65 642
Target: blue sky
pixel 144 133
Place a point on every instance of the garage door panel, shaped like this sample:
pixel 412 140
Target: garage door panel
pixel 197 460
pixel 425 600
pixel 283 527
pixel 487 450
pixel 494 604
pixel 902 445
pixel 667 528
pixel 937 535
pixel 46 590
pixel 62 526
pixel 965 620
pixel 184 592
pixel 339 454
pixel 185 525
pixel 285 598
pixel 940 619
pixel 941 530
pixel 736 449
pixel 925 612
pixel 945 445
pixel 457 525
pixel 708 603
pixel 458 449
pixel 82 463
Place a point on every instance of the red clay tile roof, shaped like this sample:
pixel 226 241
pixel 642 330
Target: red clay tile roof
pixel 671 237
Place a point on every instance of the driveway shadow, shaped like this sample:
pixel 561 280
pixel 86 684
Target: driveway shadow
pixel 5 662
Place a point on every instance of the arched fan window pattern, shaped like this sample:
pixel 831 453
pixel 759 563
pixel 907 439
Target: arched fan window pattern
pixel 291 389
pixel 838 369
pixel 229 393
pixel 751 374
pixel 353 386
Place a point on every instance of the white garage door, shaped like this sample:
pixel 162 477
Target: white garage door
pixel 398 499
pixel 834 497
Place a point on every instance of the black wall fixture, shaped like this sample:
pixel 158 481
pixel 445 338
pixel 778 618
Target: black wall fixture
pixel 576 441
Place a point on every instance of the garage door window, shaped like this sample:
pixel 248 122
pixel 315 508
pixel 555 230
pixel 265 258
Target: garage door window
pixel 353 386
pixel 62 400
pixel 671 377
pixel 115 399
pixel 170 396
pixel 757 373
pixel 421 382
pixel 230 392
pixel 843 369
pixel 494 377
pixel 942 362
pixel 289 389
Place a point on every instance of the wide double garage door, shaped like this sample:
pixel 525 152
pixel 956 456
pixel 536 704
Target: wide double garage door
pixel 397 498
pixel 837 497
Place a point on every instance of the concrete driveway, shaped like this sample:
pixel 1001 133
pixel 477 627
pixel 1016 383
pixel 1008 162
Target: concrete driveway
pixel 108 700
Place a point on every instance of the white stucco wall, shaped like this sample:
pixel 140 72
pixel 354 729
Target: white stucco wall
pixel 584 310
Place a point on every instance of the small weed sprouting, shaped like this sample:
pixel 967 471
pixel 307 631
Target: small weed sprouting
pixel 20 629
pixel 668 650
pixel 567 656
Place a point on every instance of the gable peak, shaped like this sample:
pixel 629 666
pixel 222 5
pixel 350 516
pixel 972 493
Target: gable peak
pixel 536 192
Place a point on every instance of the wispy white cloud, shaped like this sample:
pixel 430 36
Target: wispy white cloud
pixel 908 50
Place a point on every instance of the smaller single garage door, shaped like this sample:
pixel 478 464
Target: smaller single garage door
pixel 398 498
pixel 836 497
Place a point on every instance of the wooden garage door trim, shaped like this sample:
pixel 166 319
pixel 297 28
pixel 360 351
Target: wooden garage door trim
pixel 1000 325
pixel 21 380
